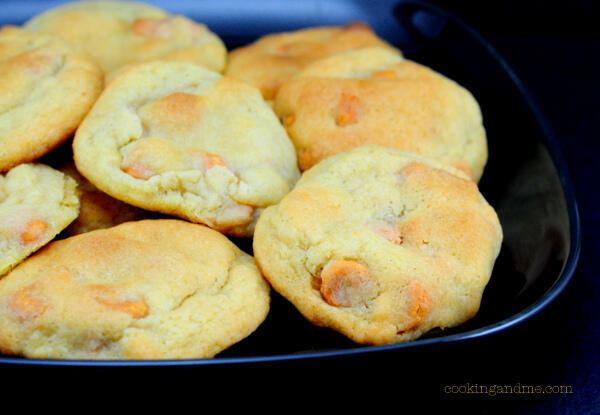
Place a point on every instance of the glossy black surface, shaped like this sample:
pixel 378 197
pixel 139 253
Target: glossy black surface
pixel 525 180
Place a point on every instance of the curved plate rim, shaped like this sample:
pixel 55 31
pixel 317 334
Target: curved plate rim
pixel 550 142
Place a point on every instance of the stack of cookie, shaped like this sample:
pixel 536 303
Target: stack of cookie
pixel 384 237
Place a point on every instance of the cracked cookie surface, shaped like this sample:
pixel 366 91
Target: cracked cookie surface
pixel 276 58
pixel 36 203
pixel 45 91
pixel 121 33
pixel 375 96
pixel 176 138
pixel 380 245
pixel 133 292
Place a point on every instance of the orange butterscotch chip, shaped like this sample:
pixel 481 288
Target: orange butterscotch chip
pixel 289 120
pixel 136 308
pixel 139 171
pixel 306 158
pixel 389 232
pixel 385 73
pixel 211 160
pixel 420 303
pixel 412 168
pixel 269 88
pixel 182 105
pixel 25 305
pixel 34 230
pixel 151 28
pixel 348 109
pixel 283 49
pixel 419 306
pixel 346 283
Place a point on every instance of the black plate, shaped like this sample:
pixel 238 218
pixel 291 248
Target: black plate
pixel 526 179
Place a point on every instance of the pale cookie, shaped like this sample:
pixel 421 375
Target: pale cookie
pixel 120 33
pixel 36 203
pixel 155 289
pixel 375 96
pixel 46 88
pixel 176 138
pixel 276 58
pixel 97 209
pixel 380 245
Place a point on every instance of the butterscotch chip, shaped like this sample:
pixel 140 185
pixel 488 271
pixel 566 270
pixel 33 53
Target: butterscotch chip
pixel 176 138
pixel 97 209
pixel 118 33
pixel 346 283
pixel 46 88
pixel 380 245
pixel 36 203
pixel 348 109
pixel 375 96
pixel 25 306
pixel 153 289
pixel 289 120
pixel 389 231
pixel 385 73
pixel 276 58
pixel 34 229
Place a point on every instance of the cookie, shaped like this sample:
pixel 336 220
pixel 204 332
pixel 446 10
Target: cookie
pixel 375 96
pixel 380 245
pixel 276 58
pixel 97 209
pixel 117 33
pixel 133 292
pixel 36 203
pixel 46 90
pixel 176 138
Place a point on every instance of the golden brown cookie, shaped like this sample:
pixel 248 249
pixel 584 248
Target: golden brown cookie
pixel 155 289
pixel 36 203
pixel 46 88
pixel 176 138
pixel 375 96
pixel 380 245
pixel 117 33
pixel 276 58
pixel 97 209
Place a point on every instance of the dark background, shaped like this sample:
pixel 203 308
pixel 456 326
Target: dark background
pixel 554 47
